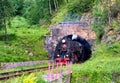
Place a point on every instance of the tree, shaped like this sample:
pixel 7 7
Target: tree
pixel 5 14
pixel 40 11
pixel 67 1
pixel 18 6
pixel 55 4
pixel 50 8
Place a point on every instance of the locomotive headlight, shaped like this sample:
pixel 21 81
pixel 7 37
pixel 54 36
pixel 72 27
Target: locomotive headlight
pixel 67 55
pixel 58 55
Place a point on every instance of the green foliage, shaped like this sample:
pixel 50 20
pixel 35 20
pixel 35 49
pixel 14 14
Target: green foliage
pixel 101 15
pixel 112 50
pixel 60 15
pixel 80 6
pixel 32 78
pixel 114 9
pixel 40 80
pixel 6 11
pixel 36 11
pixel 18 22
pixel 23 39
pixel 17 6
pixel 27 37
pixel 41 11
pixel 104 13
pixel 115 24
pixel 75 7
pixel 101 67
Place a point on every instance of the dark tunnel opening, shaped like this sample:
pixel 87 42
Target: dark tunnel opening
pixel 73 48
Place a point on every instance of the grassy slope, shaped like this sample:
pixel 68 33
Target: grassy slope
pixel 23 37
pixel 103 67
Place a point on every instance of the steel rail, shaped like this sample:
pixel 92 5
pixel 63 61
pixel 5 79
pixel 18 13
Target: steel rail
pixel 8 75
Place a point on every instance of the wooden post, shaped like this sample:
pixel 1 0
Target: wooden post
pixel 49 72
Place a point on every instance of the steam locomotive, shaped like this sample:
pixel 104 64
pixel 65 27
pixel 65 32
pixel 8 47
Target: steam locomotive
pixel 72 48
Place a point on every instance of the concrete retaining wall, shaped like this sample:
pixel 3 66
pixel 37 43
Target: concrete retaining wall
pixel 17 64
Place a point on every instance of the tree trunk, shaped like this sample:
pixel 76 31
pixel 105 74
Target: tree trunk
pixel 4 25
pixel 109 12
pixel 55 5
pixel 5 30
pixel 67 1
pixel 50 8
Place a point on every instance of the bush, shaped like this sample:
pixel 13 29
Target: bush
pixel 18 22
pixel 23 39
pixel 101 15
pixel 80 6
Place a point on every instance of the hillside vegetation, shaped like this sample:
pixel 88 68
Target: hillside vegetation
pixel 104 66
pixel 27 21
pixel 28 25
pixel 23 25
pixel 25 42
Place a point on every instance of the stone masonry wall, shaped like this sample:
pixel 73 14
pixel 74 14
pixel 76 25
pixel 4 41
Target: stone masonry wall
pixel 62 29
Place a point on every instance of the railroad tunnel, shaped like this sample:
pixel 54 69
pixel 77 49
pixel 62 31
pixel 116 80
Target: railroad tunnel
pixel 62 29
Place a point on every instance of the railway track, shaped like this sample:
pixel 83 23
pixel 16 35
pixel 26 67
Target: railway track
pixel 8 75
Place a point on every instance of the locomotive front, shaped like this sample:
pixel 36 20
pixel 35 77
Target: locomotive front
pixel 62 56
pixel 72 48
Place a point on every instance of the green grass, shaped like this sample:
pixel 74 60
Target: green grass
pixel 101 68
pixel 59 16
pixel 22 38
pixel 35 77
